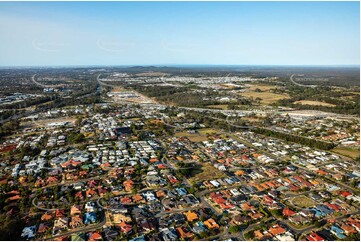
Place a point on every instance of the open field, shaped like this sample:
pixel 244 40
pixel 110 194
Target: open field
pixel 120 97
pixel 346 151
pixel 197 137
pixel 266 97
pixel 219 106
pixel 206 172
pixel 118 89
pixel 228 85
pixel 192 137
pixel 206 131
pixel 263 88
pixel 302 202
pixel 89 134
pixel 44 122
pixel 314 103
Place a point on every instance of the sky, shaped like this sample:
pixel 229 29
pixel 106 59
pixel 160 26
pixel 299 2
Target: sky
pixel 179 33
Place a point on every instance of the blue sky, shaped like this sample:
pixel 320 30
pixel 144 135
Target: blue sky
pixel 160 33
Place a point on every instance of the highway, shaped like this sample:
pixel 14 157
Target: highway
pixel 300 85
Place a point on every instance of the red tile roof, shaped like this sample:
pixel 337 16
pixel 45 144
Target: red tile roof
pixel 288 212
pixel 314 237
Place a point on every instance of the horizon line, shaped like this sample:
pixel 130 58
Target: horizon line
pixel 182 65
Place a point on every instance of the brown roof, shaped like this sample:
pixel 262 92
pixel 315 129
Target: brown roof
pixel 276 230
pixel 46 217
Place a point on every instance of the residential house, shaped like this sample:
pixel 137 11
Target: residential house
pixel 120 217
pixel 76 221
pixel 94 236
pixel 169 234
pixel 185 233
pixel 75 210
pixel 47 216
pixel 128 185
pixel 60 224
pixel 314 237
pixel 211 224
pixel 148 224
pixel 59 213
pixel 90 218
pixel 43 227
pixel 337 231
pixel 276 230
pixel 288 212
pixel 90 207
pixel 125 228
pixel 28 232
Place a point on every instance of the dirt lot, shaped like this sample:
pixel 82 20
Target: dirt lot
pixel 118 89
pixel 206 172
pixel 197 137
pixel 192 137
pixel 302 202
pixel 314 103
pixel 266 97
pixel 263 88
pixel 43 122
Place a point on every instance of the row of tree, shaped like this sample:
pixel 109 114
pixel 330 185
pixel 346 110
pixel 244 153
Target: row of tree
pixel 295 139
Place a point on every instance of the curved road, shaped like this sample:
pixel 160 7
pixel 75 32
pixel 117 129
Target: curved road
pixel 300 85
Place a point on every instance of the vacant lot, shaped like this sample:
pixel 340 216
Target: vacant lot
pixel 206 131
pixel 89 134
pixel 302 202
pixel 44 122
pixel 197 137
pixel 263 88
pixel 346 151
pixel 314 103
pixel 206 172
pixel 192 137
pixel 229 85
pixel 117 89
pixel 266 97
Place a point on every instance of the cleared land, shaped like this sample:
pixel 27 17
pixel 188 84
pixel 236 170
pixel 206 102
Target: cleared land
pixel 346 151
pixel 44 122
pixel 263 88
pixel 206 172
pixel 228 86
pixel 118 89
pixel 206 131
pixel 89 134
pixel 302 202
pixel 192 137
pixel 266 97
pixel 196 137
pixel 314 103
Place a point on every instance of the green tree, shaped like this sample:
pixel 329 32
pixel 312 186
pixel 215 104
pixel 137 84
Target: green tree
pixel 234 229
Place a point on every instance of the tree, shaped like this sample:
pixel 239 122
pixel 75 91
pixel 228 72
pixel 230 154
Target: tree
pixel 75 138
pixel 233 229
pixel 248 235
pixel 78 121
